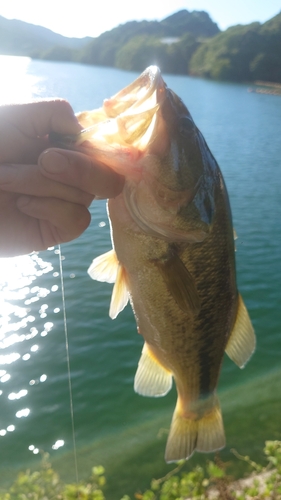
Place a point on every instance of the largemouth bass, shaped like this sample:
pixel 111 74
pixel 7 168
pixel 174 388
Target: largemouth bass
pixel 173 254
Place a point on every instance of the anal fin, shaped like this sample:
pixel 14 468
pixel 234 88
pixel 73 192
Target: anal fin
pixel 151 378
pixel 242 341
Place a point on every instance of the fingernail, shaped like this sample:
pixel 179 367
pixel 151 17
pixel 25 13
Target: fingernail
pixel 7 174
pixel 53 162
pixel 23 201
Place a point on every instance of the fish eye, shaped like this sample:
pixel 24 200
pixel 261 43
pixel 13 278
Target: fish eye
pixel 186 126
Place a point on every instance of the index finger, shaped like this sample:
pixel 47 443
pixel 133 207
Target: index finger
pixel 39 118
pixel 78 170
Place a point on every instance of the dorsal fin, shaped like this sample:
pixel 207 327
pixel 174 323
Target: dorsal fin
pixel 242 341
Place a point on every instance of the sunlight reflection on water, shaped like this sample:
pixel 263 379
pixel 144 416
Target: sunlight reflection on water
pixel 24 302
pixel 15 71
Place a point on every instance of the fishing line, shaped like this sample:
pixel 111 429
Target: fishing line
pixel 68 366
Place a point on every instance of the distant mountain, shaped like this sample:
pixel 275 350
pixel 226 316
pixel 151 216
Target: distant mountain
pixel 20 38
pixel 24 39
pixel 103 50
pixel 197 23
pixel 183 43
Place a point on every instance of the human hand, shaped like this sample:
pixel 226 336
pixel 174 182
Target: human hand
pixel 45 194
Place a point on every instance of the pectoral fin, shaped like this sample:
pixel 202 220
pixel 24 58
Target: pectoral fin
pixel 151 378
pixel 107 268
pixel 120 294
pixel 180 283
pixel 242 341
pixel 104 267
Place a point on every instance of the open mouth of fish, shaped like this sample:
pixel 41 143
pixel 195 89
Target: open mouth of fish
pixel 123 127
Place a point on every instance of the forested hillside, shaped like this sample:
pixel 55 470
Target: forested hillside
pixel 241 53
pixel 187 43
pixel 138 44
pixel 145 41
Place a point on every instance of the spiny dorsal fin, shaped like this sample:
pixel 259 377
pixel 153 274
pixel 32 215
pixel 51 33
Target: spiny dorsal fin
pixel 120 294
pixel 242 341
pixel 104 267
pixel 180 283
pixel 151 378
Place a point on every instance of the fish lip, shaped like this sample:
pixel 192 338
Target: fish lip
pixel 153 76
pixel 136 93
pixel 153 80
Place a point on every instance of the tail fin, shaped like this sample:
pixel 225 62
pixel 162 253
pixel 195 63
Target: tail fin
pixel 202 433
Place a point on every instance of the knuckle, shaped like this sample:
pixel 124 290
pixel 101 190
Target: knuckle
pixel 63 105
pixel 82 219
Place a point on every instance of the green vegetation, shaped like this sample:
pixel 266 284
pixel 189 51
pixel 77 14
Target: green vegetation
pixel 47 485
pixel 142 51
pixel 210 481
pixel 128 46
pixel 242 53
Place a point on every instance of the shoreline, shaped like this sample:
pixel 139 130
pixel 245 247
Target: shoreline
pixel 270 88
pixel 126 456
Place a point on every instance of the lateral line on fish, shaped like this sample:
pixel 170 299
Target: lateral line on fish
pixel 68 368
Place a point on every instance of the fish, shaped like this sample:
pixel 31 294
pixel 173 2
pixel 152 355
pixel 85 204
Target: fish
pixel 172 256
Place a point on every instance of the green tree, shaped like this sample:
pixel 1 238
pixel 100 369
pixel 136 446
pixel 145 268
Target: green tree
pixel 180 53
pixel 228 55
pixel 140 52
pixel 241 53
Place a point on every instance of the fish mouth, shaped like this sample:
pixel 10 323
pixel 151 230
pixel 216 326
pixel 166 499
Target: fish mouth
pixel 119 133
pixel 147 91
pixel 131 108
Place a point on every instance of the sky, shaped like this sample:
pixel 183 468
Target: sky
pixel 92 17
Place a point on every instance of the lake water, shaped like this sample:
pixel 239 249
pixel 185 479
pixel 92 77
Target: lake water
pixel 114 426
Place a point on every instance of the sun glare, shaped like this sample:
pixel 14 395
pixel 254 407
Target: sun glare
pixel 16 85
